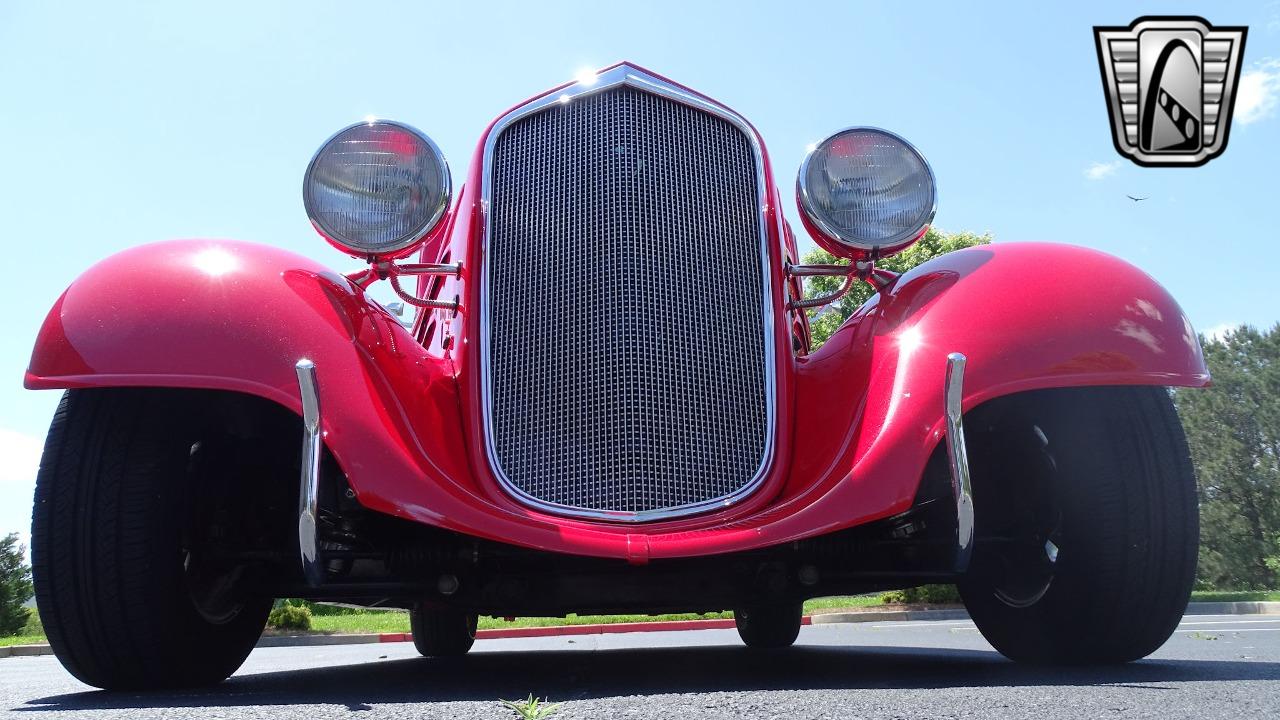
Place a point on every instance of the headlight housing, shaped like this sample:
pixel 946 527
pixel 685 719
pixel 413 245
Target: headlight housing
pixel 376 188
pixel 867 191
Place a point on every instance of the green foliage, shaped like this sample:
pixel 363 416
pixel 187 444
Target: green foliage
pixel 827 319
pixel 34 626
pixel 319 609
pixel 1233 430
pixel 15 586
pixel 1235 596
pixel 923 594
pixel 531 708
pixel 290 617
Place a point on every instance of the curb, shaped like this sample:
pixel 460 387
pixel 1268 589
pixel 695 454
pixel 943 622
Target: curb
pixel 864 616
pixel 889 616
pixel 1233 608
pixel 599 629
pixel 1195 608
pixel 307 640
pixel 25 650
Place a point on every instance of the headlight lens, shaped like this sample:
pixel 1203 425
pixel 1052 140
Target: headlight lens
pixel 376 187
pixel 868 189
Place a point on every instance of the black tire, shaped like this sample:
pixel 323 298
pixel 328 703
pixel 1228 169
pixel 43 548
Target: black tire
pixel 1118 502
pixel 110 568
pixel 774 625
pixel 442 632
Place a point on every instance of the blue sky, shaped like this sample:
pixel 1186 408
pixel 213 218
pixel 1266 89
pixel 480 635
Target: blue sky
pixel 127 123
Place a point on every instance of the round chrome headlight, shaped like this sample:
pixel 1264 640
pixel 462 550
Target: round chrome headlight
pixel 376 188
pixel 868 190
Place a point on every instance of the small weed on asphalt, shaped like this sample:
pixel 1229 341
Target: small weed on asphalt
pixel 531 708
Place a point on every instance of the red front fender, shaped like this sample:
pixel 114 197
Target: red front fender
pixel 236 316
pixel 1026 315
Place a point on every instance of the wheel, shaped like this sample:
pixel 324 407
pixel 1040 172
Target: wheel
pixel 1087 524
pixel 127 600
pixel 440 632
pixel 769 626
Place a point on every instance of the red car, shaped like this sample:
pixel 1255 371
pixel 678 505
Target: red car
pixel 607 403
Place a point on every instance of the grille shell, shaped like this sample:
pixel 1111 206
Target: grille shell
pixel 627 360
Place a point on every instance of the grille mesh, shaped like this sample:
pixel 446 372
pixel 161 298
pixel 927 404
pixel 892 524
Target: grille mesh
pixel 627 353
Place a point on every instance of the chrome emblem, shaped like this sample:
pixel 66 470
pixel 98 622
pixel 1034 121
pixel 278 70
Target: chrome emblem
pixel 1170 85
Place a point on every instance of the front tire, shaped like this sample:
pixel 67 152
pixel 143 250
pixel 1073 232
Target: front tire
pixel 116 585
pixel 1088 524
pixel 775 625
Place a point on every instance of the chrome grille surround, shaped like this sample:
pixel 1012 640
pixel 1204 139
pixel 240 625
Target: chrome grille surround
pixel 587 494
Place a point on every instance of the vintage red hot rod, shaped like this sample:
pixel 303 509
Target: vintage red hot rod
pixel 608 401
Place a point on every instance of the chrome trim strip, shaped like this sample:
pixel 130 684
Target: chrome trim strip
pixel 634 77
pixel 958 456
pixel 309 488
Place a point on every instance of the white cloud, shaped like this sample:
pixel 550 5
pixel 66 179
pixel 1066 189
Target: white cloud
pixel 1219 331
pixel 19 461
pixel 1259 92
pixel 1098 171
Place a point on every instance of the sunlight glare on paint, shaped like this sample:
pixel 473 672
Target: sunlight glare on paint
pixel 585 76
pixel 215 262
pixel 909 340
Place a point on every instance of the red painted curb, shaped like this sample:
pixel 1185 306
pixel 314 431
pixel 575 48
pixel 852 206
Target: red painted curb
pixel 602 629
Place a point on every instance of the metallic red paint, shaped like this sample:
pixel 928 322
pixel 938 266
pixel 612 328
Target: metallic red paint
pixel 857 420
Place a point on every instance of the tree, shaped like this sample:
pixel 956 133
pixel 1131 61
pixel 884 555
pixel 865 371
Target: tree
pixel 15 586
pixel 827 319
pixel 1233 430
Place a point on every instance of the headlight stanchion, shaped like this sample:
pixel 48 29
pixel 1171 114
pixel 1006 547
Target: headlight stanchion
pixel 393 272
pixel 865 270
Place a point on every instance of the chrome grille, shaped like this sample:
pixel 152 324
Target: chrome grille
pixel 628 362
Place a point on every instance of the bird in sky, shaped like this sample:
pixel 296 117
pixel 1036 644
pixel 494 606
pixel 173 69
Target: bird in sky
pixel 1135 199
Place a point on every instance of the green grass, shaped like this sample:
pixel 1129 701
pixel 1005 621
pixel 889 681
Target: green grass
pixel 382 621
pixel 1235 596
pixel 371 622
pixel 843 601
pixel 31 634
pixel 22 640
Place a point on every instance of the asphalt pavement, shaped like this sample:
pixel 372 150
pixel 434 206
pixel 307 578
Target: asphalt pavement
pixel 1214 667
